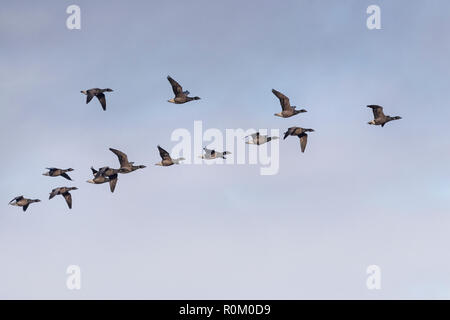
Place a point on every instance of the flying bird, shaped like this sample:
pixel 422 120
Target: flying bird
pixel 125 165
pixel 379 118
pixel 97 92
pixel 213 154
pixel 180 95
pixel 54 172
pixel 166 159
pixel 287 109
pixel 301 133
pixel 258 139
pixel 64 191
pixel 20 201
pixel 105 174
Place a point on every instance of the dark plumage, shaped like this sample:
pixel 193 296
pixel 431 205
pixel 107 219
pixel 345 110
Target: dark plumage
pixel 379 118
pixel 20 201
pixel 300 133
pixel 97 92
pixel 55 172
pixel 180 95
pixel 166 158
pixel 287 109
pixel 105 174
pixel 64 191
pixel 125 165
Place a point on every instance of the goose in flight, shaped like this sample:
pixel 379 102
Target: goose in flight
pixel 301 133
pixel 287 109
pixel 125 165
pixel 105 174
pixel 213 154
pixel 259 139
pixel 64 191
pixel 379 118
pixel 97 92
pixel 180 95
pixel 20 201
pixel 54 172
pixel 166 159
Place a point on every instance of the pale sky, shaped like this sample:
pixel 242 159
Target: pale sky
pixel 360 195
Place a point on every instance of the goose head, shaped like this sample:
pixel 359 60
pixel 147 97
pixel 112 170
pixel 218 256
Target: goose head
pixel 279 114
pixel 171 100
pixel 371 122
pixel 83 91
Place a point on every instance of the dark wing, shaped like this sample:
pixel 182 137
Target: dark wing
pixel 284 101
pixel 303 140
pixel 209 151
pixel 17 199
pixel 177 89
pixel 53 193
pixel 255 135
pixel 164 154
pixel 123 159
pixel 94 172
pixel 68 198
pixel 89 96
pixel 112 182
pixel 377 111
pixel 65 175
pixel 25 207
pixel 102 99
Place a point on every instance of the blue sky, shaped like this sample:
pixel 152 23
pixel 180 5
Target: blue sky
pixel 359 195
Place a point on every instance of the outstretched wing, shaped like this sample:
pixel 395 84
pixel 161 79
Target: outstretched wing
pixel 284 101
pixel 94 172
pixel 177 89
pixel 123 159
pixel 163 153
pixel 65 175
pixel 101 97
pixel 209 151
pixel 17 199
pixel 89 96
pixel 53 193
pixel 303 141
pixel 112 182
pixel 25 207
pixel 68 198
pixel 377 111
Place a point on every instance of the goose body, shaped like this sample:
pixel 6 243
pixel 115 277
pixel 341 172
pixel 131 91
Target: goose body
pixel 301 133
pixel 259 139
pixel 20 201
pixel 105 174
pixel 97 92
pixel 166 159
pixel 125 165
pixel 213 154
pixel 287 109
pixel 180 95
pixel 65 192
pixel 379 118
pixel 55 172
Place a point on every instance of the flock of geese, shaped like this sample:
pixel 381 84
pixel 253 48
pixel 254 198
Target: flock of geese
pixel 110 175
